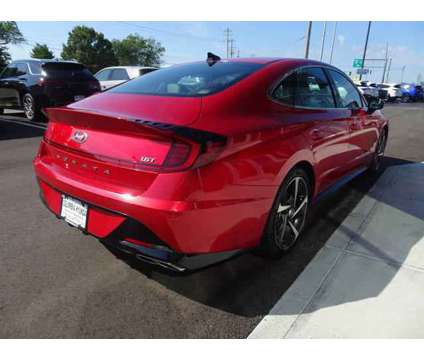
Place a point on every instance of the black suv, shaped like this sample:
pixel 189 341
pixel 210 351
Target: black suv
pixel 32 85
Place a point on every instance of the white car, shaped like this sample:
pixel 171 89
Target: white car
pixel 367 88
pixel 115 75
pixel 394 91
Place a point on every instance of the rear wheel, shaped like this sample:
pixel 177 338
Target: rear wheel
pixel 406 99
pixel 288 215
pixel 31 110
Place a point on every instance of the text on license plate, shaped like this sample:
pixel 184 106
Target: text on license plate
pixel 74 211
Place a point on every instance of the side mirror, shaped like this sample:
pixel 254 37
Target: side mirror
pixel 374 103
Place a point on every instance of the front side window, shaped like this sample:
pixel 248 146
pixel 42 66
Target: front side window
pixel 348 96
pixel 313 89
pixel 189 80
pixel 119 74
pixel 9 71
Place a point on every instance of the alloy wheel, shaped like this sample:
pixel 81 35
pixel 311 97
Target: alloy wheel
pixel 291 213
pixel 379 151
pixel 29 106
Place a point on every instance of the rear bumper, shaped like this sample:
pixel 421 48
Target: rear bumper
pixel 181 231
pixel 151 250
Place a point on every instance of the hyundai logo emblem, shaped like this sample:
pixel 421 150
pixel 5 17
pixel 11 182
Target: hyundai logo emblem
pixel 79 136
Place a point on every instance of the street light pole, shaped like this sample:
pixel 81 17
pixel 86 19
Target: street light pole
pixel 323 40
pixel 334 40
pixel 308 39
pixel 365 50
pixel 403 70
pixel 385 63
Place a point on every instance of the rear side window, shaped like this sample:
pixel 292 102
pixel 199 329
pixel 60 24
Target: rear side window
pixel 313 89
pixel 103 75
pixel 347 95
pixel 285 92
pixel 35 67
pixel 22 69
pixel 189 80
pixel 67 71
pixel 119 74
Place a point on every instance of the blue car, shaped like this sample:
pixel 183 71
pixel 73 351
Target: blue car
pixel 412 92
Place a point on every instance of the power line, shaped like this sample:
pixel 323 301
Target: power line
pixel 172 33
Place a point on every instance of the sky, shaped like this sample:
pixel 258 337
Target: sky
pixel 189 41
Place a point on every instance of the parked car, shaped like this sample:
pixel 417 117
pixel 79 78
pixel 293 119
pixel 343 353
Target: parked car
pixel 411 92
pixel 367 88
pixel 112 76
pixel 32 85
pixel 194 163
pixel 394 91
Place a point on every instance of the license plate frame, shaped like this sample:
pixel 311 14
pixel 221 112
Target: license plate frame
pixel 74 212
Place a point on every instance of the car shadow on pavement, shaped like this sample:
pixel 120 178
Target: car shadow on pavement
pixel 249 285
pixel 17 127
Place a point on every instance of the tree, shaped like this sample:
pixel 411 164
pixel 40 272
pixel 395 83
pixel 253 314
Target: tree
pixel 41 51
pixel 4 57
pixel 10 33
pixel 89 48
pixel 136 50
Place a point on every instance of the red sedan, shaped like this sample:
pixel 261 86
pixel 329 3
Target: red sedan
pixel 191 164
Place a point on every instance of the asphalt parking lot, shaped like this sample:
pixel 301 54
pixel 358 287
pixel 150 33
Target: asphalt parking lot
pixel 57 282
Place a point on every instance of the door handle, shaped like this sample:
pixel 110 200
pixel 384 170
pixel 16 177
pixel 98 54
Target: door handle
pixel 316 134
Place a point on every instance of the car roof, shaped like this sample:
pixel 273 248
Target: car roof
pixel 46 61
pixel 129 67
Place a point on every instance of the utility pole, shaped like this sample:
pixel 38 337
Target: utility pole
pixel 385 63
pixel 232 49
pixel 334 40
pixel 227 33
pixel 403 71
pixel 308 39
pixel 388 70
pixel 323 40
pixel 365 50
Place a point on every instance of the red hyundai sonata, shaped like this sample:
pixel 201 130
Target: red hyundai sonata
pixel 191 164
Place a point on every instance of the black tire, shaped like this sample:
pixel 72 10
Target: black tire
pixel 31 110
pixel 288 215
pixel 378 157
pixel 406 99
pixel 1 111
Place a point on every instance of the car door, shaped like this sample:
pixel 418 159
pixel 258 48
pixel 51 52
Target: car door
pixel 9 95
pixel 363 131
pixel 326 126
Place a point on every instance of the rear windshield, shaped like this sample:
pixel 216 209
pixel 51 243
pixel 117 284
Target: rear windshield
pixel 67 71
pixel 197 79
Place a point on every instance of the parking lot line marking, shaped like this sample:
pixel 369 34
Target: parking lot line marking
pixel 23 122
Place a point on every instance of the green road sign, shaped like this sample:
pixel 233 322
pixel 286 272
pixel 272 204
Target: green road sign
pixel 357 63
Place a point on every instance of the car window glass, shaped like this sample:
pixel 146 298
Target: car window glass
pixel 119 74
pixel 9 71
pixel 22 69
pixel 285 92
pixel 35 68
pixel 195 79
pixel 103 75
pixel 145 71
pixel 347 94
pixel 313 89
